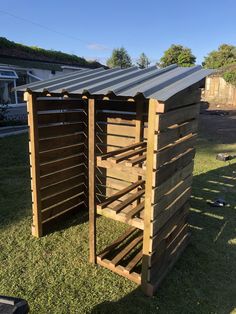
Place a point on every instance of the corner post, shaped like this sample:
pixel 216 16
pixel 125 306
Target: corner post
pixel 91 174
pixel 34 164
pixel 148 196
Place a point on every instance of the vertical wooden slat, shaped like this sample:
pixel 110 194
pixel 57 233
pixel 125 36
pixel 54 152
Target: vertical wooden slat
pixel 148 192
pixel 139 129
pixel 34 163
pixel 91 173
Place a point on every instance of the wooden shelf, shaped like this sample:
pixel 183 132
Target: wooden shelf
pixel 129 210
pixel 132 156
pixel 124 256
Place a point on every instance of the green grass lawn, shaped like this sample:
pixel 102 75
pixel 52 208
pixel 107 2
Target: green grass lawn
pixel 53 272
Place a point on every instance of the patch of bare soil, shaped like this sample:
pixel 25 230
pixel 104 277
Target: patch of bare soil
pixel 218 123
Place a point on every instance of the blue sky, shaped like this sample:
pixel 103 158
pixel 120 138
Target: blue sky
pixel 93 28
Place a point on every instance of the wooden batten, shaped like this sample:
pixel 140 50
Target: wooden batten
pixel 34 164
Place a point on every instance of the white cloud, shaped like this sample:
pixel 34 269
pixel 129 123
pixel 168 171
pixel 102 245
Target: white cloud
pixel 96 46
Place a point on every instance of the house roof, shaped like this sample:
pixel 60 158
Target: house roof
pixel 152 82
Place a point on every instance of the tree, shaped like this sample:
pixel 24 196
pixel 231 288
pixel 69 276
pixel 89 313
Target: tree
pixel 178 54
pixel 143 61
pixel 225 55
pixel 119 58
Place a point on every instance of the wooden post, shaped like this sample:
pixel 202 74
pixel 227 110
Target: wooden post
pixel 34 163
pixel 91 174
pixel 148 193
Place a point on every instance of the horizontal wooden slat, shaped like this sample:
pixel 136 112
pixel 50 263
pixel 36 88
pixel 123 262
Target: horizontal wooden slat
pixel 175 133
pixel 172 151
pixel 169 184
pixel 120 194
pixel 169 169
pixel 57 104
pixel 171 196
pixel 61 164
pixel 116 118
pixel 170 210
pixel 57 198
pixel 120 141
pixel 115 129
pixel 128 155
pixel 61 141
pixel 62 175
pixel 54 154
pixel 126 250
pixel 60 129
pixel 116 105
pixel 186 97
pixel 179 217
pixel 129 200
pixel 163 260
pixel 117 242
pixel 177 116
pixel 64 184
pixel 121 150
pixel 56 117
pixel 61 208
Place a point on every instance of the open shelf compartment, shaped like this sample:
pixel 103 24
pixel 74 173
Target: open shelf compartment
pixel 131 157
pixel 129 210
pixel 124 255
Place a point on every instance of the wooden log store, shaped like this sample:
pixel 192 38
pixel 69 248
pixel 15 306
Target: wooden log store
pixel 119 143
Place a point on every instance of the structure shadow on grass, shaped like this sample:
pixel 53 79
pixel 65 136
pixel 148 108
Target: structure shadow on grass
pixel 203 280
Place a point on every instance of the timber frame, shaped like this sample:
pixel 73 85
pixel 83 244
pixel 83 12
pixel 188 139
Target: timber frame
pixel 128 159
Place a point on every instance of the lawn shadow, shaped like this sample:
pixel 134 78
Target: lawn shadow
pixel 203 280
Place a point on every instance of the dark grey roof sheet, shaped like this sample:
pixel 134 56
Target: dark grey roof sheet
pixel 152 82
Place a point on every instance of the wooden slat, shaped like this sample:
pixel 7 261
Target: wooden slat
pixel 171 196
pixel 170 211
pixel 63 185
pixel 179 217
pixel 169 184
pixel 134 262
pixel 54 154
pixel 136 161
pixel 126 250
pixel 62 175
pixel 61 141
pixel 177 116
pixel 57 198
pixel 56 117
pixel 60 129
pixel 128 155
pixel 61 164
pixel 62 207
pixel 129 200
pixel 117 242
pixel 135 210
pixel 172 151
pixel 120 141
pixel 116 129
pixel 121 167
pixel 169 169
pixel 121 150
pixel 174 133
pixel 59 104
pixel 91 183
pixel 115 118
pixel 116 105
pixel 120 194
pixel 37 230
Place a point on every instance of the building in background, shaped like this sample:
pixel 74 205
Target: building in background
pixel 15 72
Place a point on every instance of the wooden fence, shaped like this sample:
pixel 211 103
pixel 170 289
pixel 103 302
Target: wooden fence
pixel 218 91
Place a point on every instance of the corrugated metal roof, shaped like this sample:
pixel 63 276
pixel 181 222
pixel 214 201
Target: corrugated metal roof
pixel 152 82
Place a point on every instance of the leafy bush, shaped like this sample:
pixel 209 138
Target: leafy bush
pixel 230 77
